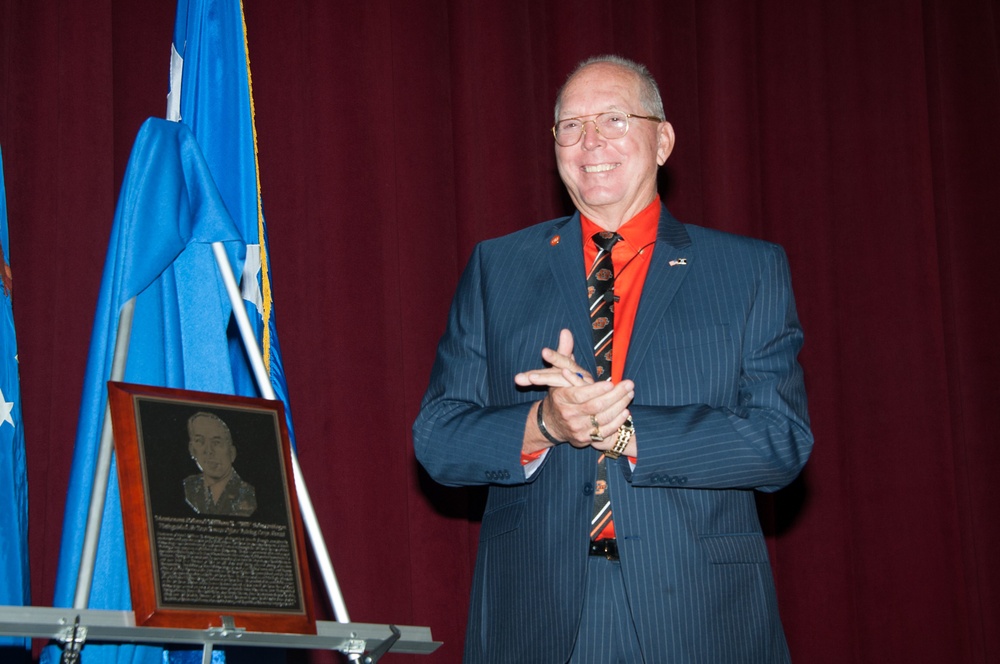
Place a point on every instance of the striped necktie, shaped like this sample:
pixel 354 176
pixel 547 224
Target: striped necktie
pixel 601 295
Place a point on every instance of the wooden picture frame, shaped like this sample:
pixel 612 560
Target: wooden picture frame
pixel 203 542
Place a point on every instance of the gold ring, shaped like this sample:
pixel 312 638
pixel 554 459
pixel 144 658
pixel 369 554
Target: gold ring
pixel 595 435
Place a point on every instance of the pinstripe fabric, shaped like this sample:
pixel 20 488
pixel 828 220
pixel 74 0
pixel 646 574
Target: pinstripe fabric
pixel 607 633
pixel 719 410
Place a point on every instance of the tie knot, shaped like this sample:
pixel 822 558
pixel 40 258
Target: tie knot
pixel 605 240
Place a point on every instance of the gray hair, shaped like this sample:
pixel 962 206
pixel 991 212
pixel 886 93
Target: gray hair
pixel 211 416
pixel 649 91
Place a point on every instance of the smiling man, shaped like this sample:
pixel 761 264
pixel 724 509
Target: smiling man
pixel 610 180
pixel 623 383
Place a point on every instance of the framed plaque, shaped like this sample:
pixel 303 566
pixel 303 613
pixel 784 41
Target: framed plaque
pixel 209 510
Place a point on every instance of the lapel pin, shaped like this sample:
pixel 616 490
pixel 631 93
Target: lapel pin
pixel 679 261
pixel 554 241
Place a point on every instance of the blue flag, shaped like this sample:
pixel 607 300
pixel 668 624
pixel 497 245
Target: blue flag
pixel 15 589
pixel 182 333
pixel 212 93
pixel 169 212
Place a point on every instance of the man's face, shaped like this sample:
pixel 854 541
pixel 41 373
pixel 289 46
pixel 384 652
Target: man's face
pixel 211 447
pixel 610 181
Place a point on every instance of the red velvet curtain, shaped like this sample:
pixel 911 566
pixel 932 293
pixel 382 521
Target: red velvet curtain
pixel 393 135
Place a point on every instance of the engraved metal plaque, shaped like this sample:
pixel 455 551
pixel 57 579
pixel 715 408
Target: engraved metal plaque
pixel 211 520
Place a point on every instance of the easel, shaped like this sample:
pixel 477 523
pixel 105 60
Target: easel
pixel 72 628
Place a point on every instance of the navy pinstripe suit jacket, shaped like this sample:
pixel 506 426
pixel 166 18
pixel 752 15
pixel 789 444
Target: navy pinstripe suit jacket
pixel 719 410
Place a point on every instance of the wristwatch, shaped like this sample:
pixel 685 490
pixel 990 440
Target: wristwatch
pixel 625 432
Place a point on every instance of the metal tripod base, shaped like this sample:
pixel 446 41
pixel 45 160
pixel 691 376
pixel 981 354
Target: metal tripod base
pixel 74 628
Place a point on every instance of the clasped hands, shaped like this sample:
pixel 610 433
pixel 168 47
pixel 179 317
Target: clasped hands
pixel 576 405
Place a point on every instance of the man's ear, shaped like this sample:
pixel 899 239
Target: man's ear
pixel 665 142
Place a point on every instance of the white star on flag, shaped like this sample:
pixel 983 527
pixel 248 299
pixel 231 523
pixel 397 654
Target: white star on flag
pixel 5 408
pixel 249 284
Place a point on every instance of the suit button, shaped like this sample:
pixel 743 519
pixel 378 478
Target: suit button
pixel 588 489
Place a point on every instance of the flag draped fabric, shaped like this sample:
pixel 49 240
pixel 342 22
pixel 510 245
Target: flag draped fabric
pixel 169 212
pixel 212 93
pixel 14 583
pixel 189 182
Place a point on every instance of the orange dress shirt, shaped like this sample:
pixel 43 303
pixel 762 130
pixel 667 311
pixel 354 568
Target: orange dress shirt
pixel 630 257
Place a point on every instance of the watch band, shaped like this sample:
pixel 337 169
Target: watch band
pixel 625 432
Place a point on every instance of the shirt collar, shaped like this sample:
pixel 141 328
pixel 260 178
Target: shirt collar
pixel 636 233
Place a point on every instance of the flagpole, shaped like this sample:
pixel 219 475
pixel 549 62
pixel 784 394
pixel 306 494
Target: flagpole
pixel 267 391
pixel 102 471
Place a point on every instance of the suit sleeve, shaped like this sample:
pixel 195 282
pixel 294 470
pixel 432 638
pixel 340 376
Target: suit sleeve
pixel 760 441
pixel 458 436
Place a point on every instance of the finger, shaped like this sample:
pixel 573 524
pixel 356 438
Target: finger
pixel 565 343
pixel 624 398
pixel 609 430
pixel 599 396
pixel 605 412
pixel 577 378
pixel 560 361
pixel 543 377
pixel 555 358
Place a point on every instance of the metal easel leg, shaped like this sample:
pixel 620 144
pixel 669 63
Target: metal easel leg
pixel 88 555
pixel 267 391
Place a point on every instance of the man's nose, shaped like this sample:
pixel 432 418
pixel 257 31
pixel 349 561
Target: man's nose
pixel 591 135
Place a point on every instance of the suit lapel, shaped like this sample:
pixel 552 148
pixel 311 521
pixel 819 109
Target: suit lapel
pixel 672 260
pixel 566 262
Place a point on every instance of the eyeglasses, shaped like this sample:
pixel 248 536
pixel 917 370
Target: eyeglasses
pixel 611 124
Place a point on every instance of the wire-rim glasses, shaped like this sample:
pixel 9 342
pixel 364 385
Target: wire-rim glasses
pixel 610 125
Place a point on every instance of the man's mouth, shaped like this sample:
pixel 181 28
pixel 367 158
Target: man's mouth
pixel 600 168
